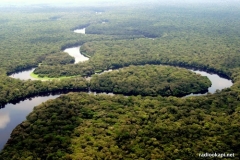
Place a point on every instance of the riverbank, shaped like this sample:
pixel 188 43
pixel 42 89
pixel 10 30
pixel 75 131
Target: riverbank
pixel 36 77
pixel 218 82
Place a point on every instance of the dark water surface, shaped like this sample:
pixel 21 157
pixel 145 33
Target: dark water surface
pixel 13 114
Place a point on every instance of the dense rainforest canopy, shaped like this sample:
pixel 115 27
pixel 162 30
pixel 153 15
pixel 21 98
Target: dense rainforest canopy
pixel 78 125
pixel 103 127
pixel 150 80
pixel 13 90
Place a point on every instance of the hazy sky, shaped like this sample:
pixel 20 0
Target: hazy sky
pixel 173 2
pixel 100 1
pixel 54 1
pixel 58 2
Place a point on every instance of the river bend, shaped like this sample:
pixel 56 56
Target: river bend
pixel 13 114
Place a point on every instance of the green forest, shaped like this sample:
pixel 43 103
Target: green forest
pixel 146 45
pixel 13 90
pixel 79 125
pixel 150 80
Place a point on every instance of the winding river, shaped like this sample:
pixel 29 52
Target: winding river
pixel 75 52
pixel 13 114
pixel 218 83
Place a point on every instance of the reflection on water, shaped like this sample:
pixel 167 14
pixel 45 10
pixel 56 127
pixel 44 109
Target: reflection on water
pixel 82 31
pixel 75 52
pixel 24 75
pixel 4 119
pixel 217 82
pixel 13 114
pixel 101 93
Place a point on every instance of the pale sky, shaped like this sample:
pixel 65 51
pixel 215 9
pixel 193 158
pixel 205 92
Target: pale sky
pixel 59 2
pixel 48 1
pixel 225 2
pixel 55 1
pixel 100 1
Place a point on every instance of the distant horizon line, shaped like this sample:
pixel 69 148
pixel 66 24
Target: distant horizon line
pixel 96 3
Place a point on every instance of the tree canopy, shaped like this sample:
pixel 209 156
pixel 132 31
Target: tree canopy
pixel 150 80
pixel 79 125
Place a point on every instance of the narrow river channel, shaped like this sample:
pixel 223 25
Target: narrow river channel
pixel 13 114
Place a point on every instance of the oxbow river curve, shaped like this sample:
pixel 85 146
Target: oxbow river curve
pixel 13 114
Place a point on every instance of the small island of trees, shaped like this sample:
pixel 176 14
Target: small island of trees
pixel 150 80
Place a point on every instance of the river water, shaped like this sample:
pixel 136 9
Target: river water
pixel 13 114
pixel 218 83
pixel 24 75
pixel 82 31
pixel 75 52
